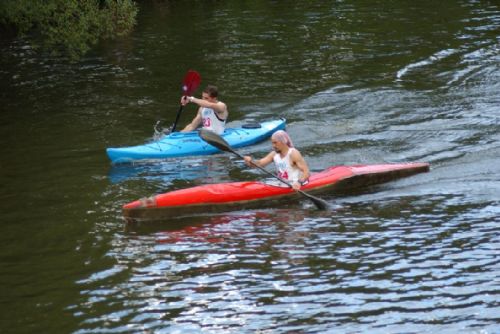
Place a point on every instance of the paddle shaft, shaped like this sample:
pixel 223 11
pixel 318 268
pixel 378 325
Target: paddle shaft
pixel 217 141
pixel 177 118
pixel 263 169
pixel 190 83
pixel 321 204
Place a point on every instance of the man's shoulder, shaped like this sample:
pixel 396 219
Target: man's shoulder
pixel 295 153
pixel 222 105
pixel 221 108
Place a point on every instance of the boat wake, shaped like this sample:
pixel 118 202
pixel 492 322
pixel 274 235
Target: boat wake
pixel 438 56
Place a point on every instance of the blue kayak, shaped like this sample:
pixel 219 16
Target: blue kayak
pixel 178 144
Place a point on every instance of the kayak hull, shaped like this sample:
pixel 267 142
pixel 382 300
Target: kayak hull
pixel 251 194
pixel 180 144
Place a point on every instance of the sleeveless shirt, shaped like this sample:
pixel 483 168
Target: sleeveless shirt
pixel 284 167
pixel 211 121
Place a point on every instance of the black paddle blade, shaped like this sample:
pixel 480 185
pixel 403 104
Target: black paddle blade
pixel 318 202
pixel 215 140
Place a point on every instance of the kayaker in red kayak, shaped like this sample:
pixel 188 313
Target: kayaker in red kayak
pixel 290 164
pixel 212 113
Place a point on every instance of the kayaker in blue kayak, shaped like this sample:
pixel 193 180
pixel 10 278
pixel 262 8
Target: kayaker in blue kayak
pixel 290 164
pixel 212 113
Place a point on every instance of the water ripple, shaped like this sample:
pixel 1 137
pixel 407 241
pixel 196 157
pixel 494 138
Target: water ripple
pixel 422 271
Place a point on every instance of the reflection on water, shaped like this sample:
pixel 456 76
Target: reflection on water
pixel 377 265
pixel 206 170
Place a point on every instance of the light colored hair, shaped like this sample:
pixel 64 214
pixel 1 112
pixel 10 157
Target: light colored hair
pixel 283 137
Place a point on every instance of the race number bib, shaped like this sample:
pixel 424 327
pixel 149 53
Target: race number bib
pixel 283 175
pixel 206 122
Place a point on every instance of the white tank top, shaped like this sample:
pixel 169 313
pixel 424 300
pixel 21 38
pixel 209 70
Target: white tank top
pixel 284 167
pixel 211 121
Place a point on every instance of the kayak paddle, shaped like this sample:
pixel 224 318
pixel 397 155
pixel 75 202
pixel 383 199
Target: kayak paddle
pixel 189 84
pixel 215 140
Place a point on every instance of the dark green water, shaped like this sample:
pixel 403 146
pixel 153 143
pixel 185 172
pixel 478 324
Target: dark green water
pixel 360 82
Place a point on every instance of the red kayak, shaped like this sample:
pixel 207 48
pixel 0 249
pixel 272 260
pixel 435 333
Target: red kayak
pixel 242 195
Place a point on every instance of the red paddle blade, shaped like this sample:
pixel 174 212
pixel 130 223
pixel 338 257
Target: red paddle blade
pixel 190 83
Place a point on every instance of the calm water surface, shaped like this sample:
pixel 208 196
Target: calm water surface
pixel 360 82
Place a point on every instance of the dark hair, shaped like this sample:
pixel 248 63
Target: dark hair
pixel 211 90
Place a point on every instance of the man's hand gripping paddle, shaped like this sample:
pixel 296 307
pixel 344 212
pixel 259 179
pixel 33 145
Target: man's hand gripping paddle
pixel 190 83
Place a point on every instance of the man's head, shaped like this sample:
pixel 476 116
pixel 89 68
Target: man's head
pixel 281 141
pixel 210 93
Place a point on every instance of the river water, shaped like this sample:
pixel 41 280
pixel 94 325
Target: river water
pixel 360 82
